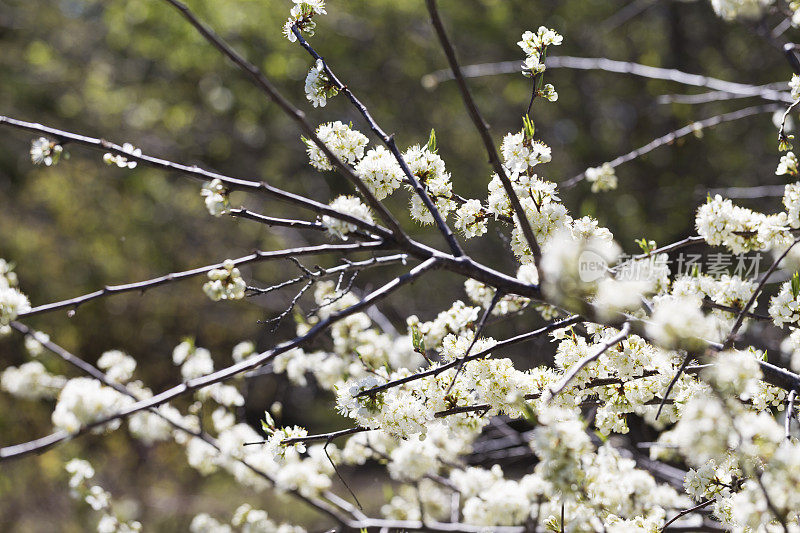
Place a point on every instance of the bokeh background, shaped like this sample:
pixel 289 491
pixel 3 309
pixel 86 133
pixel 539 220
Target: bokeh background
pixel 135 71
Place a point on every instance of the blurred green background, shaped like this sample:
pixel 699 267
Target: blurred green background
pixel 135 71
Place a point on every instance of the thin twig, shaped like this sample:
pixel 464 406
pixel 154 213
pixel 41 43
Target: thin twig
pixel 478 331
pixel 256 256
pixel 672 136
pixel 673 381
pixel 740 318
pixel 701 505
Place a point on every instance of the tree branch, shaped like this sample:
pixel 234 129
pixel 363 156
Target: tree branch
pixel 672 136
pixel 256 256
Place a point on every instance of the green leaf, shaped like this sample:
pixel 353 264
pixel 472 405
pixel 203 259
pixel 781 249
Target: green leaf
pixel 432 142
pixel 527 127
pixel 417 339
pixel 530 414
pixel 268 424
pixel 795 284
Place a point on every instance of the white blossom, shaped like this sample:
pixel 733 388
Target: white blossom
pixel 119 366
pixel 31 381
pixel 602 178
pixel 348 205
pixel 794 84
pixel 225 283
pixel 85 400
pixel 471 219
pixel 731 9
pixel 216 197
pixel 380 171
pixel 787 165
pixel 45 152
pixel 345 143
pixel 318 86
pixel 120 160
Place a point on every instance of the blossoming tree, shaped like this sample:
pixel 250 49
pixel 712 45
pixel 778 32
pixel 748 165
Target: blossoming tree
pixel 632 337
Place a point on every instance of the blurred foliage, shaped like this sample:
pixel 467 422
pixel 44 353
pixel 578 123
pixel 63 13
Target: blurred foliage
pixel 135 71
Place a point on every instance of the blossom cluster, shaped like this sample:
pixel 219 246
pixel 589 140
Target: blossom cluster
pixel 45 152
pixel 225 283
pixel 99 499
pixel 12 301
pixel 318 85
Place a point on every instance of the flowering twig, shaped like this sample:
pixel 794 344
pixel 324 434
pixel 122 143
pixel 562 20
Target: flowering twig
pixel 478 330
pixel 483 353
pixel 292 112
pixel 740 318
pixel 97 374
pixel 483 130
pixel 390 143
pixel 684 364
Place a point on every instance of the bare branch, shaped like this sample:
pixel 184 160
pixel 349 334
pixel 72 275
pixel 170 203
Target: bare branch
pixel 256 256
pixel 620 67
pixel 672 136
pixel 273 221
pixel 759 191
